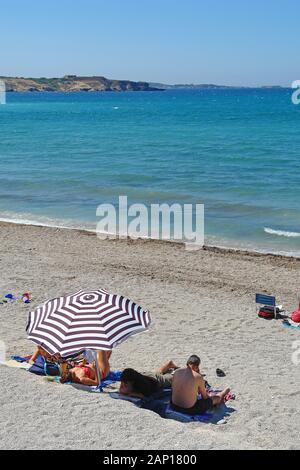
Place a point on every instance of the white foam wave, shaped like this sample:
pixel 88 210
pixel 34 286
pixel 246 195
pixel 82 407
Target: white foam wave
pixel 25 219
pixel 211 241
pixel 282 233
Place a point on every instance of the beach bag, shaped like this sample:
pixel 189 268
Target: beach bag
pixel 42 367
pixel 267 312
pixel 296 316
pixel 52 369
pixel 38 367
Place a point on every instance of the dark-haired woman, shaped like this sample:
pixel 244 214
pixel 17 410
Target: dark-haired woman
pixel 135 384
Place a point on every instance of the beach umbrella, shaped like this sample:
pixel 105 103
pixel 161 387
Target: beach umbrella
pixel 87 319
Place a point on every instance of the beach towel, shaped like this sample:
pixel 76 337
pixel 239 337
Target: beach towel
pixel 113 377
pixel 20 358
pixel 38 368
pixel 161 406
pixel 16 364
pixel 288 324
pixel 160 403
pixel 205 418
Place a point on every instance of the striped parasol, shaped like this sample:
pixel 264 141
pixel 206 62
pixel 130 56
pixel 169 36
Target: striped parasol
pixel 88 319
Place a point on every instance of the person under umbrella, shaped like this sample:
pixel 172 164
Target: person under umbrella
pixel 82 371
pixel 87 373
pixel 86 320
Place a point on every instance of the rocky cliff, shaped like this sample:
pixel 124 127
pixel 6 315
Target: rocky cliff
pixel 72 83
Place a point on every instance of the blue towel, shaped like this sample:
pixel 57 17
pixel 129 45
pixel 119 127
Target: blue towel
pixel 204 418
pixel 113 376
pixel 40 367
pixel 19 358
pixel 160 403
pixel 291 326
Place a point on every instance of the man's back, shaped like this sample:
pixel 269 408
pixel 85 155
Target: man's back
pixel 185 387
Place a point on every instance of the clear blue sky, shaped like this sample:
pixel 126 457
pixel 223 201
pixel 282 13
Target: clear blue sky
pixel 239 42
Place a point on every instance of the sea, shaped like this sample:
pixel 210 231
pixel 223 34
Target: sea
pixel 237 151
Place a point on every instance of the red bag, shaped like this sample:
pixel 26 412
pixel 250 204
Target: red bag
pixel 266 312
pixel 296 316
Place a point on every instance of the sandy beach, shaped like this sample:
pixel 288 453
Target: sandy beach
pixel 201 302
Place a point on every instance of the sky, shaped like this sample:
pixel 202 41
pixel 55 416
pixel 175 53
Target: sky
pixel 229 42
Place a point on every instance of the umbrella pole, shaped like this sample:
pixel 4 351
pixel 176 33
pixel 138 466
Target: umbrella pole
pixel 98 371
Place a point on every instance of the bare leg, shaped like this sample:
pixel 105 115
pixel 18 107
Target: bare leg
pixel 34 356
pixel 169 365
pixel 219 398
pixel 103 362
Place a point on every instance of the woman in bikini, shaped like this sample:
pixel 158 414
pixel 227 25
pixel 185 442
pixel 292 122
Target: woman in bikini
pixel 86 374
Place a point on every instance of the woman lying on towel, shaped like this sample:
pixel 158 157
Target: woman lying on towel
pixel 86 374
pixel 138 385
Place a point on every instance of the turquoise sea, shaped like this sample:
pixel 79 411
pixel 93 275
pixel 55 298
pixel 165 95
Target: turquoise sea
pixel 235 150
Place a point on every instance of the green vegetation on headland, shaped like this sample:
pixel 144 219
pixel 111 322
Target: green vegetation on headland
pixel 72 83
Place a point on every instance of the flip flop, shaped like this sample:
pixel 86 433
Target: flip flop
pixel 220 373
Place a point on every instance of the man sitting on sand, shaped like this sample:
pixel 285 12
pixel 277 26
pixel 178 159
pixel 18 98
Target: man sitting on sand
pixel 138 385
pixel 187 384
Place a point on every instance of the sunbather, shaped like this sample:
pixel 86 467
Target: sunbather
pixel 138 385
pixel 86 373
pixel 41 352
pixel 187 384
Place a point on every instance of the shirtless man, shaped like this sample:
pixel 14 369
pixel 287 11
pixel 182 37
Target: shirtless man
pixel 187 384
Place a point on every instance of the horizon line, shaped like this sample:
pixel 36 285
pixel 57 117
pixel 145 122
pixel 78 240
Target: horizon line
pixel 151 82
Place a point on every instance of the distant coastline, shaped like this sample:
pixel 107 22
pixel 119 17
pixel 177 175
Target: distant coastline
pixel 163 86
pixel 74 83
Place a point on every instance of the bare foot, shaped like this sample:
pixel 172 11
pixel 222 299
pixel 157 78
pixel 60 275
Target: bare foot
pixel 172 365
pixel 223 394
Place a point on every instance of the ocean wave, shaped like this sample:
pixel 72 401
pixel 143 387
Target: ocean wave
pixel 28 219
pixel 210 241
pixel 281 233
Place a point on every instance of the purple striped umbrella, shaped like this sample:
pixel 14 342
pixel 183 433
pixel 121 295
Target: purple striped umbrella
pixel 88 319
